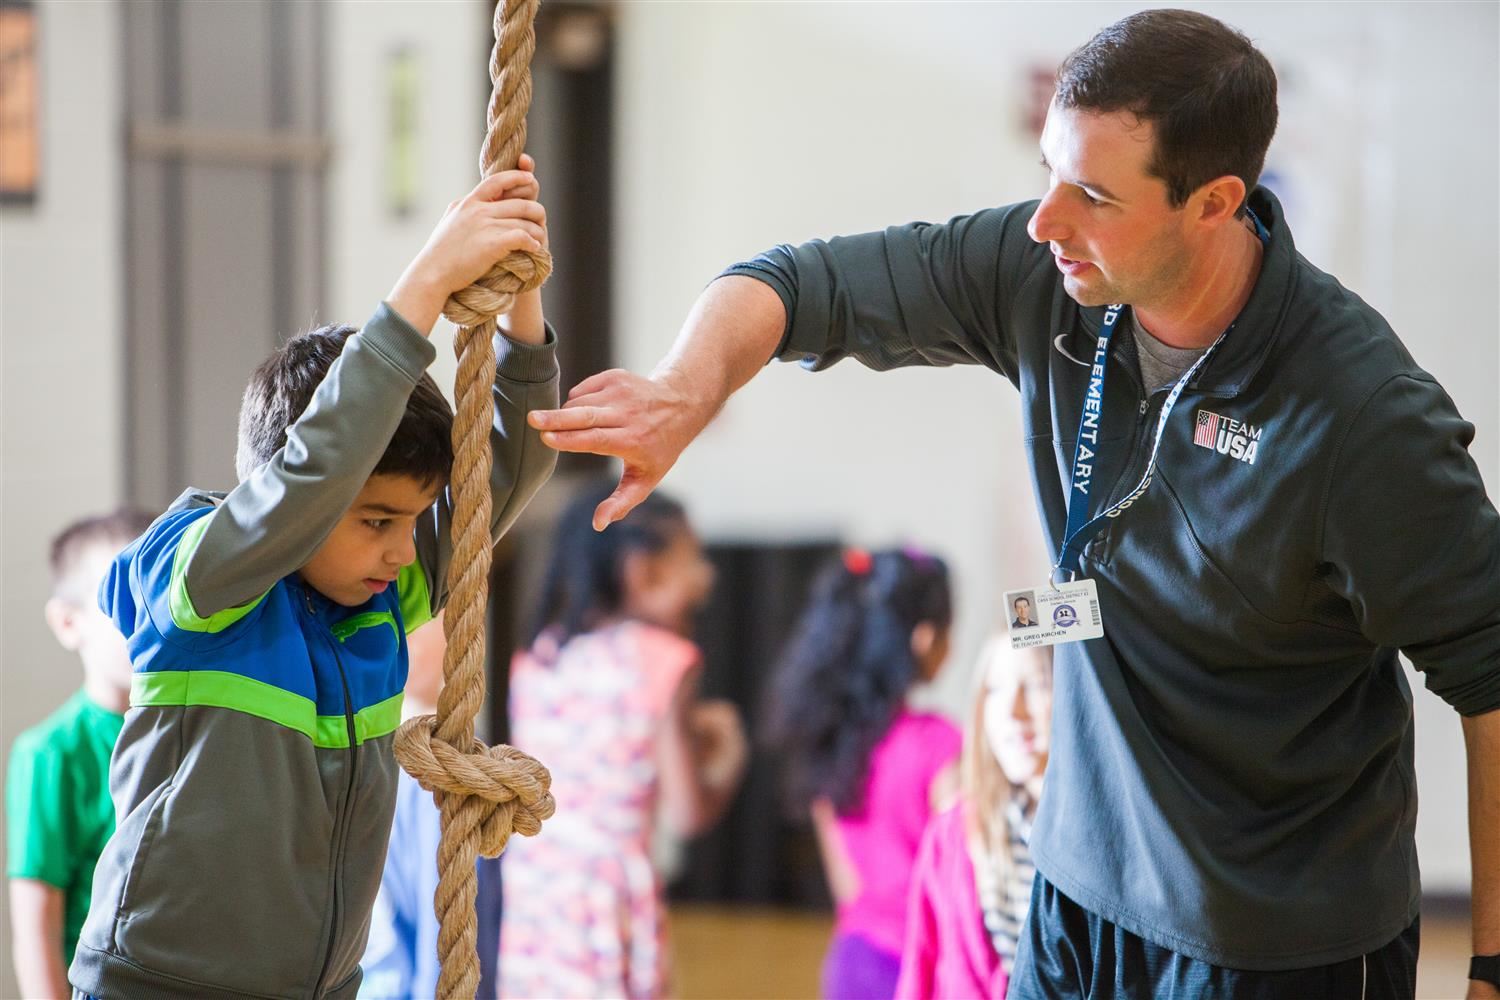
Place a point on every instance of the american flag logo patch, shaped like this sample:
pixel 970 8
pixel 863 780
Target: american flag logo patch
pixel 1207 429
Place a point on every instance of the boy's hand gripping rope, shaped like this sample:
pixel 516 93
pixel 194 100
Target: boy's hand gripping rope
pixel 483 792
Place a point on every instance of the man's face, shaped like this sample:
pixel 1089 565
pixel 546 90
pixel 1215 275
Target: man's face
pixel 1112 233
pixel 371 542
pixel 1023 609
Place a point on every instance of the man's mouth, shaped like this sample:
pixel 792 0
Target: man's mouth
pixel 1069 266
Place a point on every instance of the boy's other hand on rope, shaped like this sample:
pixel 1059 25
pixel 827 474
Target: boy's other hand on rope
pixel 501 215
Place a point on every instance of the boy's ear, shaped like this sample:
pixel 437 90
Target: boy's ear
pixel 62 619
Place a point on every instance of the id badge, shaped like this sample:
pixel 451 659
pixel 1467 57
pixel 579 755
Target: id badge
pixel 1048 615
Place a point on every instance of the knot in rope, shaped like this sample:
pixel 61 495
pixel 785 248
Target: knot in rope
pixel 499 788
pixel 495 293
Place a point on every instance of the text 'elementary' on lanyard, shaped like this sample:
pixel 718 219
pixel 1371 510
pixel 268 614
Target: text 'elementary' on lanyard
pixel 1081 528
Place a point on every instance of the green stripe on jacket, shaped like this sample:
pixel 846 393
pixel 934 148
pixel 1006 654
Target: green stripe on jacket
pixel 220 689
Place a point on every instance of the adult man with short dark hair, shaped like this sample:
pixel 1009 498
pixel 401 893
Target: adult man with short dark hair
pixel 1230 806
pixel 1022 608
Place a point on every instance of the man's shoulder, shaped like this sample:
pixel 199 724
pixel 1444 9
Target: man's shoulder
pixel 1342 346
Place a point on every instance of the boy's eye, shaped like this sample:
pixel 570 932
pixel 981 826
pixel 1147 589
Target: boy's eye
pixel 376 523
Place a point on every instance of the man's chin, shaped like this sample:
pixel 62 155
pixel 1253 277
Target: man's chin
pixel 1088 294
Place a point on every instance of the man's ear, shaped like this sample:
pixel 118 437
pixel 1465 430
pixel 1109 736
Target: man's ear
pixel 62 619
pixel 1219 200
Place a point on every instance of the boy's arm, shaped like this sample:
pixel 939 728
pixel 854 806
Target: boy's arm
pixel 526 379
pixel 274 521
pixel 36 936
pixel 271 524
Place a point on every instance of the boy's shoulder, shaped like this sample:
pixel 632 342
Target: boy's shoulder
pixel 67 731
pixel 147 583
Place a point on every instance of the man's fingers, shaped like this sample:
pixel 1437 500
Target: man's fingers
pixel 572 418
pixel 597 382
pixel 632 490
pixel 595 440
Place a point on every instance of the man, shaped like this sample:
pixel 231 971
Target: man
pixel 1230 807
pixel 1022 609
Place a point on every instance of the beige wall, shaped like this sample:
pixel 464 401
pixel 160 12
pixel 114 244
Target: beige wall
pixel 60 313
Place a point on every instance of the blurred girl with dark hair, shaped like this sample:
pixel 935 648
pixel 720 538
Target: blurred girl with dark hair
pixel 870 768
pixel 607 696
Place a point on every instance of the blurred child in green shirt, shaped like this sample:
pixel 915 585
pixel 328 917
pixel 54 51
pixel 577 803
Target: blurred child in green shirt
pixel 58 809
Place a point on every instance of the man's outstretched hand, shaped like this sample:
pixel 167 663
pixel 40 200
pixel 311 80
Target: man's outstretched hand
pixel 644 422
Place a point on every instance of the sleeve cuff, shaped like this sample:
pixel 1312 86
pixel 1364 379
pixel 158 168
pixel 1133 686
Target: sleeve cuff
pixel 398 341
pixel 518 362
pixel 780 283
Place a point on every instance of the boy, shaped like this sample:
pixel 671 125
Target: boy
pixel 254 779
pixel 58 811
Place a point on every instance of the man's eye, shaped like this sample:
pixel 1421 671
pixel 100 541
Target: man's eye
pixel 1090 198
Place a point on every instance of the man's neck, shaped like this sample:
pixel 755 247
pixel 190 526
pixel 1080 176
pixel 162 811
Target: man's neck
pixel 1213 295
pixel 107 696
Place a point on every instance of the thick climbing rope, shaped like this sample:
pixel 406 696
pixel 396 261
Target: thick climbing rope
pixel 483 793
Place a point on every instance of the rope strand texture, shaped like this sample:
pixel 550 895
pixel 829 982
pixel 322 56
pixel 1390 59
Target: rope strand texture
pixel 483 793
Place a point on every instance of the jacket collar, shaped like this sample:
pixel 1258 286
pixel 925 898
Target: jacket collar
pixel 1244 351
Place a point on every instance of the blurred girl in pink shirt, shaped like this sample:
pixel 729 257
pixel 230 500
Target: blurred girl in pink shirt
pixel 869 767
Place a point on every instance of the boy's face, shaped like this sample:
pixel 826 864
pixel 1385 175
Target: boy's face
pixel 74 616
pixel 372 541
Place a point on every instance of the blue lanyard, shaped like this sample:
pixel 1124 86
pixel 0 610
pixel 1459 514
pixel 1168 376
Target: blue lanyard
pixel 1080 528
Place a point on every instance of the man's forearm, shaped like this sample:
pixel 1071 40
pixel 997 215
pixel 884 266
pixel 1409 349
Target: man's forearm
pixel 730 334
pixel 1482 739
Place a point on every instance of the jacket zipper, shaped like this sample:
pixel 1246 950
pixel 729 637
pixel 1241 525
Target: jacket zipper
pixel 341 828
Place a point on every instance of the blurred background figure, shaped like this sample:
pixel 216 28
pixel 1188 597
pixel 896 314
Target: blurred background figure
pixel 607 695
pixel 870 768
pixel 57 806
pixel 971 886
pixel 401 956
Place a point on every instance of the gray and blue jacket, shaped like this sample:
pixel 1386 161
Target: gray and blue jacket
pixel 1232 769
pixel 254 780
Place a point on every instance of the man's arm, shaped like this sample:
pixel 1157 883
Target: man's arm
pixel 1482 740
pixel 909 295
pixel 36 937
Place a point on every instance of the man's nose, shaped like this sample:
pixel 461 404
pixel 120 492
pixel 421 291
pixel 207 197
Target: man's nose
pixel 1047 224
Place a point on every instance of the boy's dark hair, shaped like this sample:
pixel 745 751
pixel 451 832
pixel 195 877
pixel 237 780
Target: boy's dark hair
pixel 848 666
pixel 1207 91
pixel 585 580
pixel 114 530
pixel 283 385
